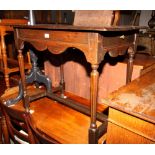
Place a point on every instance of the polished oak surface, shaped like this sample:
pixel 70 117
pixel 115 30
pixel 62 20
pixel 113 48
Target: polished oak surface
pixel 56 120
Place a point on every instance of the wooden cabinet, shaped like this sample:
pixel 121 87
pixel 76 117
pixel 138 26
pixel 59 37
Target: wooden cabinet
pixel 126 129
pixel 131 118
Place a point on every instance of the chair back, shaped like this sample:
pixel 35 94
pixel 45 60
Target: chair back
pixel 96 18
pixel 16 126
pixel 40 137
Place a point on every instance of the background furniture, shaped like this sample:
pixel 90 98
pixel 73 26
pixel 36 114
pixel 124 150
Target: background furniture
pixel 9 65
pixel 146 42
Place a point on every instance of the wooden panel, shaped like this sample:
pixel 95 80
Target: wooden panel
pixel 111 42
pixel 62 36
pixel 119 135
pixel 124 128
pixel 55 41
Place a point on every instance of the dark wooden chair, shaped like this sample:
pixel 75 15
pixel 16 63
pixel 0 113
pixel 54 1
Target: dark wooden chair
pixel 97 18
pixel 14 126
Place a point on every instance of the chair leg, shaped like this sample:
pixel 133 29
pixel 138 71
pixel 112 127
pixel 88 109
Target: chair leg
pixel 1 130
pixel 5 130
pixel 7 82
pixel 4 59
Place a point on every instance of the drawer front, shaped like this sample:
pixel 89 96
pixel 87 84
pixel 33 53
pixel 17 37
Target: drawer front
pixel 132 124
pixel 47 35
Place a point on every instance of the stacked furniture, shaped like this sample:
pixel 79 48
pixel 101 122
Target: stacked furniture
pixel 8 64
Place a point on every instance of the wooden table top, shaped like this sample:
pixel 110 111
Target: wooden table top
pixel 136 98
pixel 60 122
pixel 66 125
pixel 7 24
pixel 82 28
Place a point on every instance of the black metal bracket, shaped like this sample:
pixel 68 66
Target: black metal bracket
pixel 36 75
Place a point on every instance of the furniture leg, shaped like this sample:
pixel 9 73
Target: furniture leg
pixel 1 130
pixel 130 65
pixel 62 82
pixel 131 52
pixel 93 132
pixel 23 80
pixel 4 59
pixel 5 131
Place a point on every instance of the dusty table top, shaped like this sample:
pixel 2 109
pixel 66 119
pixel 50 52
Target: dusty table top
pixel 136 98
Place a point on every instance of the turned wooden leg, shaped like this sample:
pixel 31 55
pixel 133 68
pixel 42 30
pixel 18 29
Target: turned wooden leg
pixel 62 81
pixel 1 130
pixel 5 130
pixel 131 52
pixel 7 82
pixel 4 59
pixel 23 80
pixel 93 133
pixel 130 65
